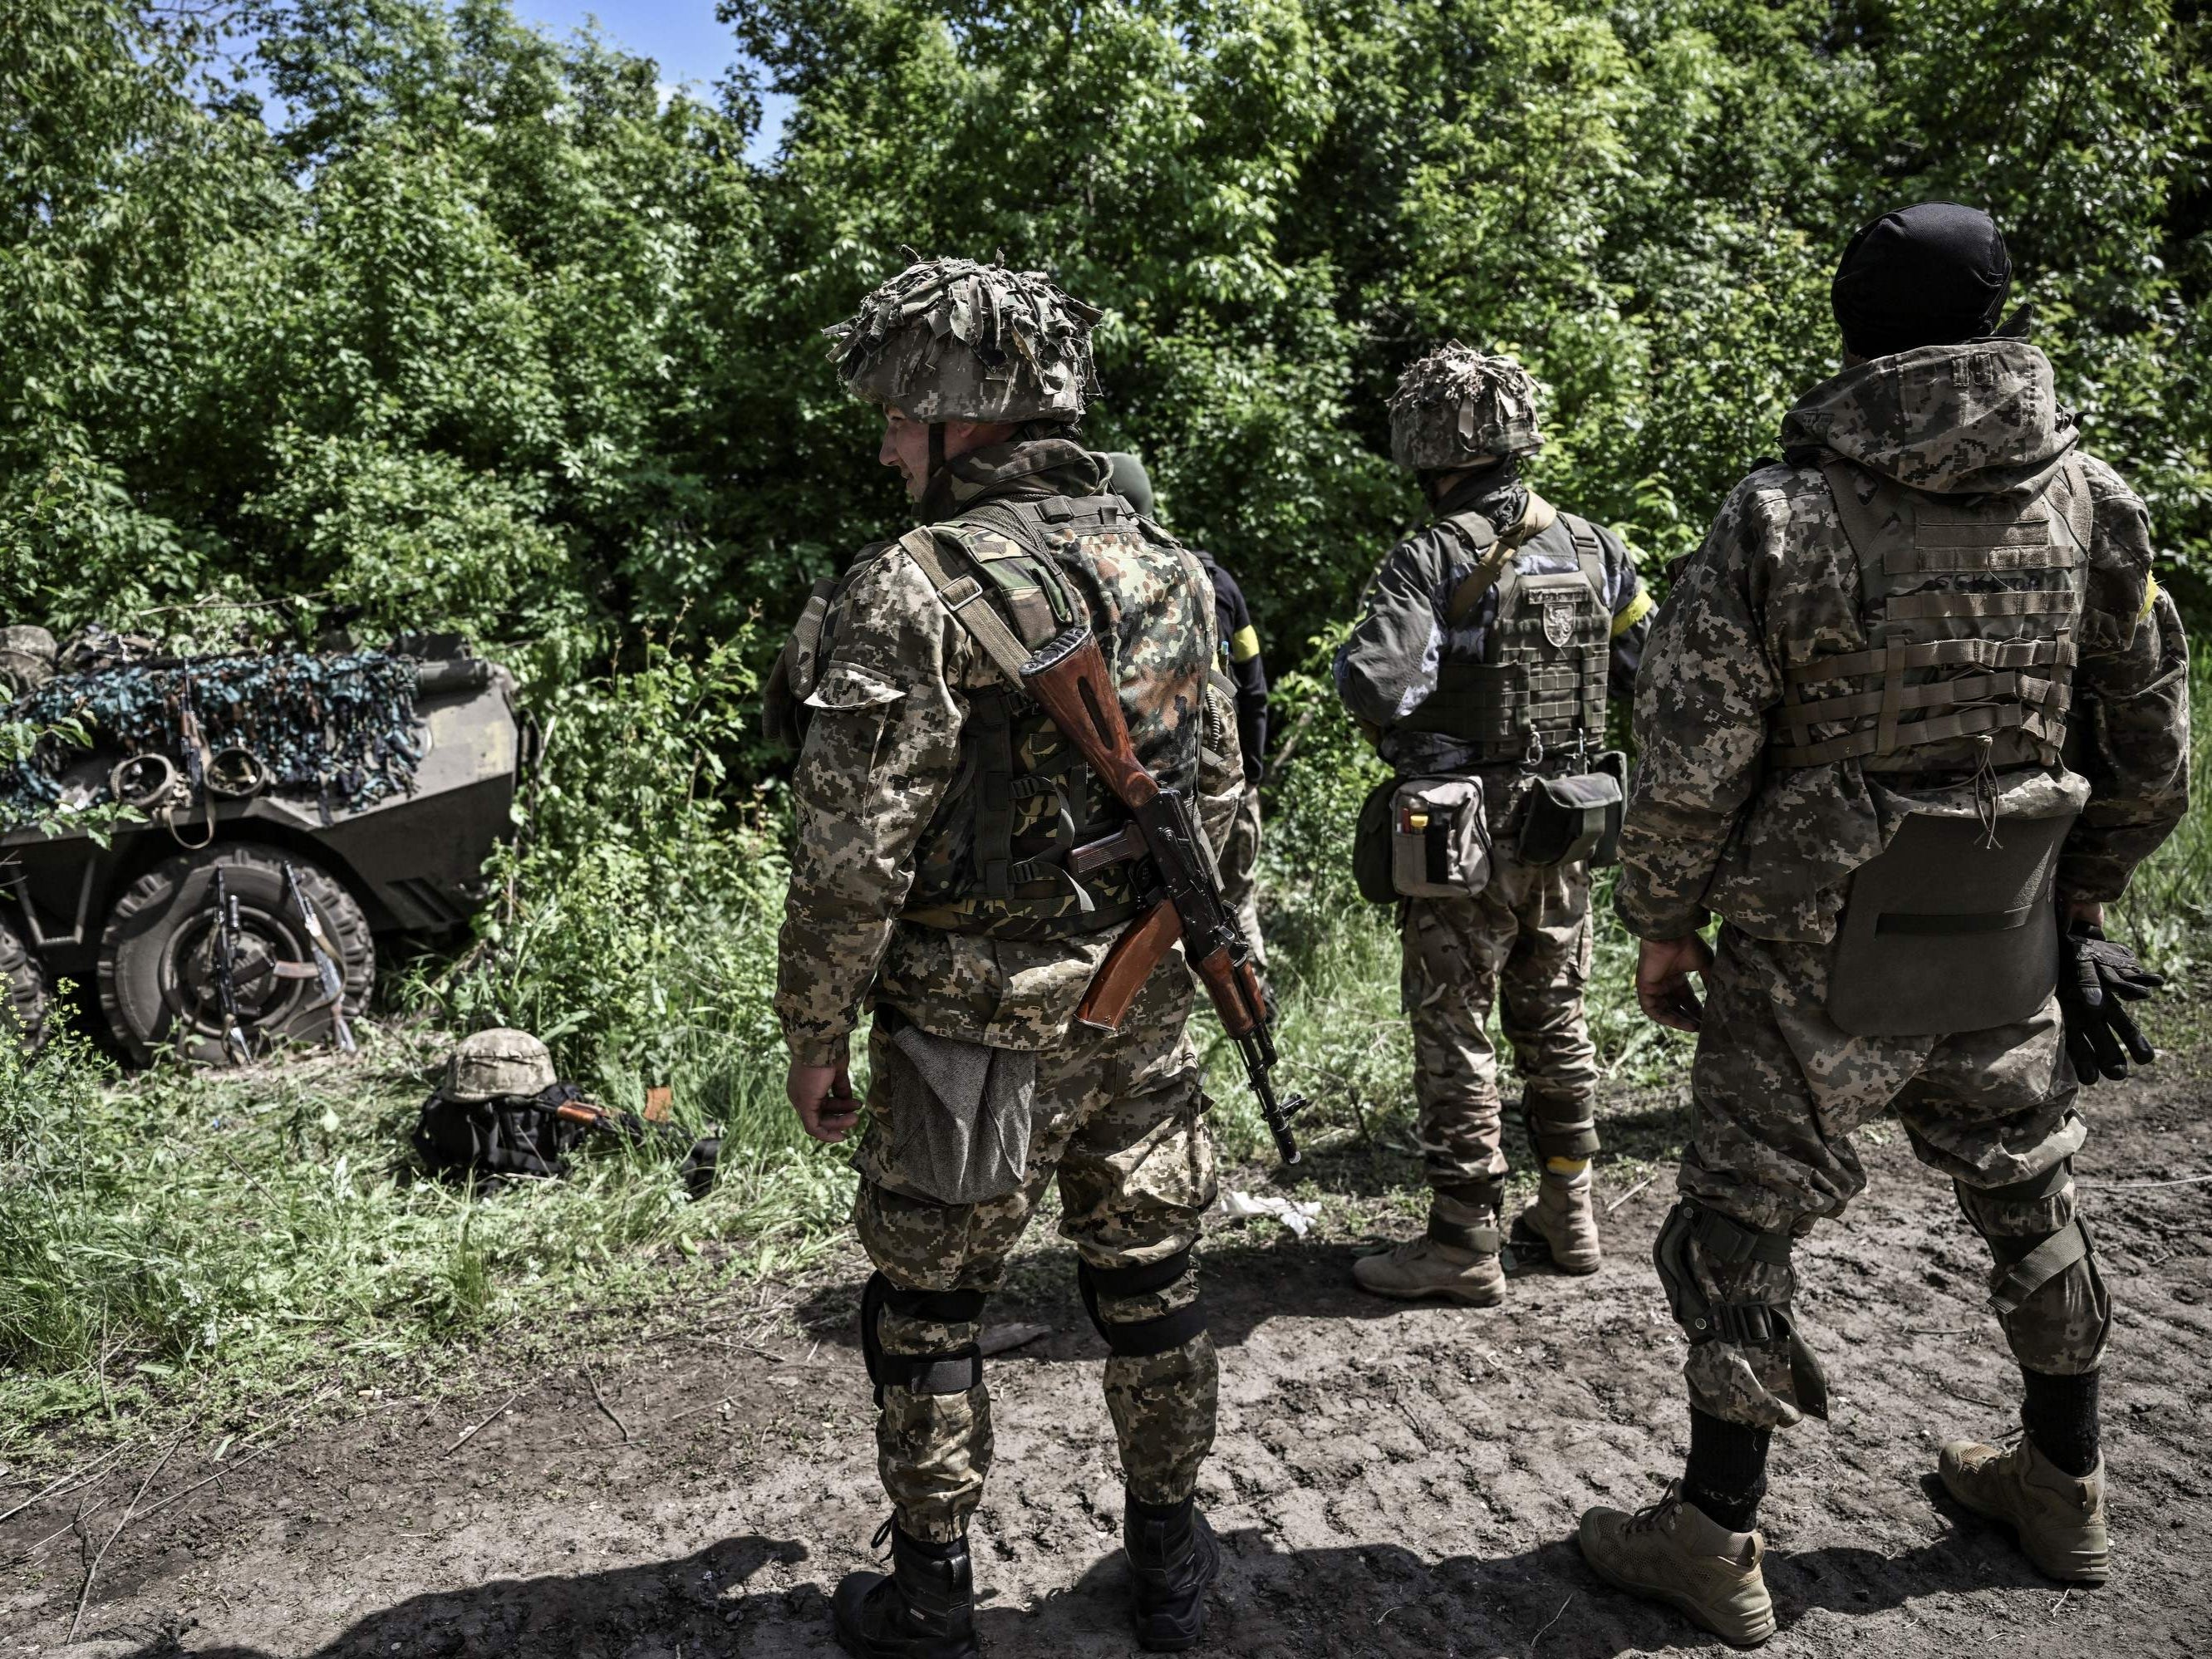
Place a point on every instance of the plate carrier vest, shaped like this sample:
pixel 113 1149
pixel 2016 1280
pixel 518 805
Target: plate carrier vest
pixel 1972 606
pixel 994 860
pixel 1539 683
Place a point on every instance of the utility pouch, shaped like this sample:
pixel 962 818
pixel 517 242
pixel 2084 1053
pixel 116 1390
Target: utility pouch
pixel 1439 838
pixel 1576 818
pixel 1950 929
pixel 959 1113
pixel 1370 845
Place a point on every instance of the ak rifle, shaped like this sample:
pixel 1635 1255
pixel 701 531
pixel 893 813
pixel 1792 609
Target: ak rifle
pixel 1068 676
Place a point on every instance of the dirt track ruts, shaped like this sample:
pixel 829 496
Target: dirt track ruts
pixel 1388 1480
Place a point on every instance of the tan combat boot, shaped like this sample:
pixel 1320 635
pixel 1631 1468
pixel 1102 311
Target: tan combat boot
pixel 1675 1552
pixel 1453 1262
pixel 1561 1226
pixel 2059 1517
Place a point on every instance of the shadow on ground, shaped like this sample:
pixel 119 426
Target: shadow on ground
pixel 1380 1598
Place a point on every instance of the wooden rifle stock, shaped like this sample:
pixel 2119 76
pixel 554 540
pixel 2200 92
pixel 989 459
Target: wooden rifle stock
pixel 1069 678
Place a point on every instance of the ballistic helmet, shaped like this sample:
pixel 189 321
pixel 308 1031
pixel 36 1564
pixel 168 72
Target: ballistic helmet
pixel 954 340
pixel 491 1064
pixel 1126 477
pixel 1457 408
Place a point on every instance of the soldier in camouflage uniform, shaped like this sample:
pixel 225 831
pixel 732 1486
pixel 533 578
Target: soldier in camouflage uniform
pixel 934 882
pixel 1238 856
pixel 1489 642
pixel 1916 697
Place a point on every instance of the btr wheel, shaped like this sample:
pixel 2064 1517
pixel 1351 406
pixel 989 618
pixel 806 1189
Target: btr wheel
pixel 160 982
pixel 22 990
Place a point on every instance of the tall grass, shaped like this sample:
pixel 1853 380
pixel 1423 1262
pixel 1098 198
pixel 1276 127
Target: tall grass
pixel 216 1237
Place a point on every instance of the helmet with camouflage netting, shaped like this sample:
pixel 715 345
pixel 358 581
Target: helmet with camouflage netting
pixel 495 1064
pixel 957 340
pixel 1457 408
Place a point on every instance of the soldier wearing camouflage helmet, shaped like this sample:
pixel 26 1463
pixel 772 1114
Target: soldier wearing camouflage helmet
pixel 961 873
pixel 1916 704
pixel 1489 642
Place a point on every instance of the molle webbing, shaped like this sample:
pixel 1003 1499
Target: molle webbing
pixel 1966 653
pixel 1541 679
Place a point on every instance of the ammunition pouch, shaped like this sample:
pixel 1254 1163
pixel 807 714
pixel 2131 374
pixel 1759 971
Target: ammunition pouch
pixel 1139 1338
pixel 955 1371
pixel 1952 929
pixel 1439 838
pixel 1576 818
pixel 1722 1243
pixel 1370 844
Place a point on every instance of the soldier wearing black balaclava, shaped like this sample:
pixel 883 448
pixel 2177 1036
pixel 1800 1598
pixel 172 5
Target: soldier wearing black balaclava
pixel 1907 721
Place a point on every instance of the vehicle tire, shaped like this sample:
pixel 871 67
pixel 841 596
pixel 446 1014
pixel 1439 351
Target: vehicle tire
pixel 157 982
pixel 22 990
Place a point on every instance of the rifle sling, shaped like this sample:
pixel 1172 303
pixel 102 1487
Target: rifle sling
pixel 959 595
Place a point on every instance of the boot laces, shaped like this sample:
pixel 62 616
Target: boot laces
pixel 1659 1516
pixel 884 1533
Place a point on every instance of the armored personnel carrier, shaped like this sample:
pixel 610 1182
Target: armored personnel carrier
pixel 288 811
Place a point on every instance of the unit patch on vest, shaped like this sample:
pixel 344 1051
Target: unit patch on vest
pixel 1560 617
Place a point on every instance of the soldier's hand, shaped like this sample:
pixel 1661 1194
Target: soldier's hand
pixel 822 1097
pixel 1663 967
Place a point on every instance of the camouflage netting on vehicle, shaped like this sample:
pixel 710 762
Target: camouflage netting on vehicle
pixel 1456 407
pixel 339 728
pixel 956 340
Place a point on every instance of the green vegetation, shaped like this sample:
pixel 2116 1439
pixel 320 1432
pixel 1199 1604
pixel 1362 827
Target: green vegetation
pixel 466 328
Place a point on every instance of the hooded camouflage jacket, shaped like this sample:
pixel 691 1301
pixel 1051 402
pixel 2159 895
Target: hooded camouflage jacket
pixel 882 763
pixel 1387 668
pixel 1713 826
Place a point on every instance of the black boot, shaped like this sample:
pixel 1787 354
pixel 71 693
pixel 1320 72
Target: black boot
pixel 925 1609
pixel 1173 1559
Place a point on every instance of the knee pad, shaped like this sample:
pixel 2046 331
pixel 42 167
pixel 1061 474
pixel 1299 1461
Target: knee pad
pixel 1139 1338
pixel 2026 1262
pixel 1722 1243
pixel 956 1371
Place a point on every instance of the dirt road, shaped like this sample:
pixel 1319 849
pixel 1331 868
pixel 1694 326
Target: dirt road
pixel 1387 1481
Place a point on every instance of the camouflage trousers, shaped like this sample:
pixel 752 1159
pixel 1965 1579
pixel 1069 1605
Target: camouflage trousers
pixel 1121 1128
pixel 1524 943
pixel 1239 861
pixel 1779 1089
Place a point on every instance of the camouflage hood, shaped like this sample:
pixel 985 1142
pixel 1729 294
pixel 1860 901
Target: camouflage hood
pixel 1953 420
pixel 1025 468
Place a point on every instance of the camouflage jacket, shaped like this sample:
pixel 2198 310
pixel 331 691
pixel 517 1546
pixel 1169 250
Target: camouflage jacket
pixel 1388 667
pixel 1711 828
pixel 883 751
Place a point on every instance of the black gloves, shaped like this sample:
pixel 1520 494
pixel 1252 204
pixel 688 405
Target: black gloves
pixel 2095 977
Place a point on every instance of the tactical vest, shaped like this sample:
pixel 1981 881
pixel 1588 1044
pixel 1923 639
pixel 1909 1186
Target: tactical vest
pixel 995 858
pixel 1539 683
pixel 1972 607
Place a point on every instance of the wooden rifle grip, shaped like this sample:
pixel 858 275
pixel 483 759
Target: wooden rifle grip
pixel 1128 964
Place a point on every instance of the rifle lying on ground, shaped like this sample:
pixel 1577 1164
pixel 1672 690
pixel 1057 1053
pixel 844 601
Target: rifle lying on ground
pixel 1068 676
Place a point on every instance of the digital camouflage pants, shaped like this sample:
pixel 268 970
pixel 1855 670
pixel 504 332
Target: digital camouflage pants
pixel 1239 861
pixel 1778 1090
pixel 1121 1128
pixel 1523 944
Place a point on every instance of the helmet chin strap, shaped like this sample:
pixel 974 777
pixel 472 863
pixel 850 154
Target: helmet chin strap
pixel 935 485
